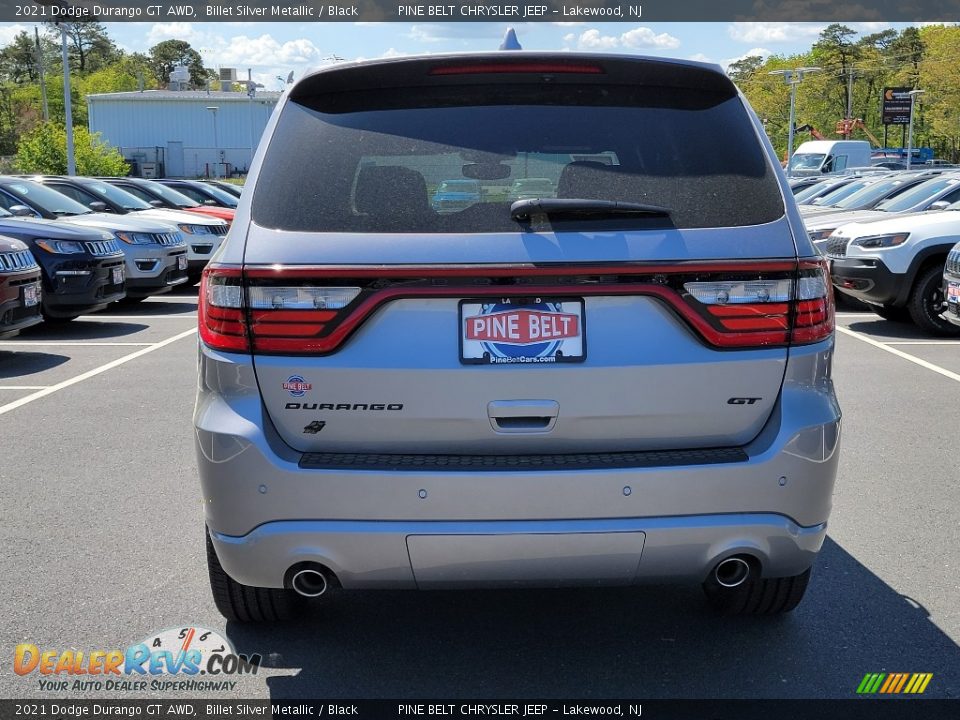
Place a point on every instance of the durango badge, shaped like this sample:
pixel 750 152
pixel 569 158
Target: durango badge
pixel 539 332
pixel 297 386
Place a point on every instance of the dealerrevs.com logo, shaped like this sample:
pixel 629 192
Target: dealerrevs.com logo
pixel 165 661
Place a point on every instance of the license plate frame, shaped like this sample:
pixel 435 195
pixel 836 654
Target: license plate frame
pixel 481 342
pixel 181 262
pixel 116 275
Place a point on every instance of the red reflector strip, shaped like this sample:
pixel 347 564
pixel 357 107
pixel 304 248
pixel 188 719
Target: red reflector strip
pixel 758 323
pixel 272 316
pixel 487 68
pixel 764 309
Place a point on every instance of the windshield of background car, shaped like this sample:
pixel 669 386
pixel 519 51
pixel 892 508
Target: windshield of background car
pixel 831 198
pixel 921 192
pixel 47 199
pixel 374 162
pixel 866 196
pixel 117 196
pixel 806 161
pixel 172 196
pixel 812 190
pixel 221 195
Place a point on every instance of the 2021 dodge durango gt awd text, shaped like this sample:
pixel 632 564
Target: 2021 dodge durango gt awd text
pixel 626 381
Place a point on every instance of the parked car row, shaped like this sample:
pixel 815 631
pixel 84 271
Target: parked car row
pixel 888 238
pixel 73 245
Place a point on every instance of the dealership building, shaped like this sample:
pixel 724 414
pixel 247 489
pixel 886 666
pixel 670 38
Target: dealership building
pixel 182 133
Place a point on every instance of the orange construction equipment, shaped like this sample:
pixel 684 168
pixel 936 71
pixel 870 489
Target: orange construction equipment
pixel 812 130
pixel 846 128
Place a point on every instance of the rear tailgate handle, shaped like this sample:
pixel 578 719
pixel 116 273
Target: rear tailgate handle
pixel 523 416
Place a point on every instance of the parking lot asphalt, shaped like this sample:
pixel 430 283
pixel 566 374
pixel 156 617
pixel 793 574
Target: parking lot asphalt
pixel 103 530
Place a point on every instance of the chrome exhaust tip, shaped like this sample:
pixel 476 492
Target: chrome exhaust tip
pixel 732 572
pixel 309 583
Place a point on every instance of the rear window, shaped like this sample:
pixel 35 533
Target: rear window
pixel 452 159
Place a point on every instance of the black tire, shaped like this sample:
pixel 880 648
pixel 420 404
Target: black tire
pixel 243 603
pixel 926 303
pixel 758 596
pixel 894 314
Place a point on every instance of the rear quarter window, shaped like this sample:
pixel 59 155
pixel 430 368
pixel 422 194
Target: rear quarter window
pixel 447 160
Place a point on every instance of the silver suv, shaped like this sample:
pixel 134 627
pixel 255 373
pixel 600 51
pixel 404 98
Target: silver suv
pixel 625 381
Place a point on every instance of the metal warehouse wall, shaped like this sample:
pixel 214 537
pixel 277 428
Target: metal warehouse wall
pixel 177 129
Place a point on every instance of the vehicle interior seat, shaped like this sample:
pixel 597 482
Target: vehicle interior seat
pixel 392 198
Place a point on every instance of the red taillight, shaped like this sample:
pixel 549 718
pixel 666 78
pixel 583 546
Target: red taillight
pixel 516 67
pixel 313 310
pixel 768 311
pixel 220 311
pixel 814 317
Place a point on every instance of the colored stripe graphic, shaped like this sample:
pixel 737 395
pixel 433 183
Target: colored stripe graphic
pixel 894 683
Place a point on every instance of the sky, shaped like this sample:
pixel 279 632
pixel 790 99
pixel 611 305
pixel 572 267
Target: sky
pixel 273 50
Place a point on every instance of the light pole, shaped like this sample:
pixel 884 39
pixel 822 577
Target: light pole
pixel 67 108
pixel 913 97
pixel 793 78
pixel 216 143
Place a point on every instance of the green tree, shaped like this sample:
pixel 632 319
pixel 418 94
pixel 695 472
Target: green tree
pixel 89 47
pixel 744 69
pixel 165 56
pixel 18 60
pixel 44 150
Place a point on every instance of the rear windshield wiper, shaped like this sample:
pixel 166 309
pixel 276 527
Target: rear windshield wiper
pixel 580 208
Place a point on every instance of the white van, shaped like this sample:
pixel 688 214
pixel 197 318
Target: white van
pixel 828 156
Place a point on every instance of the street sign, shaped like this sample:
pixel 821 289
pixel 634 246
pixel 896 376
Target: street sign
pixel 896 106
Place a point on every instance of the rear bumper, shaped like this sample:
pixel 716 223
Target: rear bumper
pixel 429 555
pixel 441 527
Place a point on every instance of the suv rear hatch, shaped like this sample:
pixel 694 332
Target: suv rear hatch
pixel 649 305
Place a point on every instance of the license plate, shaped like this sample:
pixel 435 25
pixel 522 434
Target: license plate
pixel 522 331
pixel 31 295
pixel 116 275
pixel 182 262
pixel 953 296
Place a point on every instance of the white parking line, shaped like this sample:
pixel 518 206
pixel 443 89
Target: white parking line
pixel 923 342
pixel 15 343
pixel 893 351
pixel 92 373
pixel 855 314
pixel 112 318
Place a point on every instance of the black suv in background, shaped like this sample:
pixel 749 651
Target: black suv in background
pixel 19 288
pixel 82 268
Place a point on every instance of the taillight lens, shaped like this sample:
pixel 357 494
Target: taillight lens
pixel 292 319
pixel 768 311
pixel 269 318
pixel 813 318
pixel 221 313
